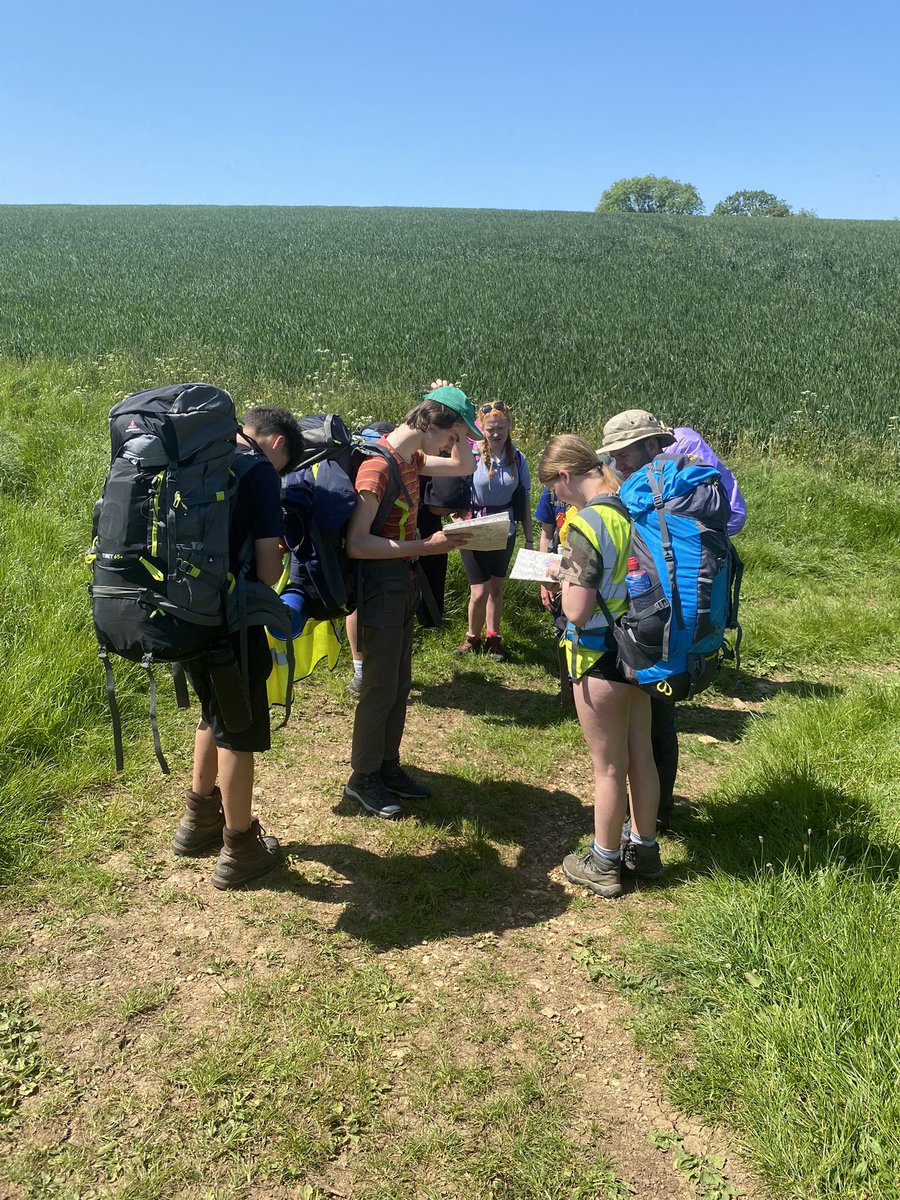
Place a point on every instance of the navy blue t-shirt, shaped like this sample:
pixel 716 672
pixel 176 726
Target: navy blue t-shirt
pixel 547 510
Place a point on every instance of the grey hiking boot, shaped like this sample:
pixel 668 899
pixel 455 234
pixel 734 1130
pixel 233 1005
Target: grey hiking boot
pixel 397 780
pixel 371 792
pixel 245 856
pixel 202 824
pixel 642 861
pixel 603 877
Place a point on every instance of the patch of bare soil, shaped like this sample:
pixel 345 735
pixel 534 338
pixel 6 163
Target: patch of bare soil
pixel 177 934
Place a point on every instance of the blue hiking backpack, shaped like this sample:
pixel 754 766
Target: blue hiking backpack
pixel 671 641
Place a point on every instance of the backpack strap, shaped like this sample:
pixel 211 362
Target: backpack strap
pixel 428 598
pixel 114 714
pixel 668 556
pixel 394 488
pixel 242 466
pixel 179 682
pixel 603 500
pixel 147 664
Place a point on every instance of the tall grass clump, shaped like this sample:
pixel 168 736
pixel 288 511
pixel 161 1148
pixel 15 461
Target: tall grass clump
pixel 53 725
pixel 819 549
pixel 726 325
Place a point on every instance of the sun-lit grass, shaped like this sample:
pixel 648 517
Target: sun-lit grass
pixel 780 970
pixel 727 324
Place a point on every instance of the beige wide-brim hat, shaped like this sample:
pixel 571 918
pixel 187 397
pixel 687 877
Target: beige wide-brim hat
pixel 626 428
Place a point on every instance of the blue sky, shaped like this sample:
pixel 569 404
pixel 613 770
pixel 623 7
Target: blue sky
pixel 475 105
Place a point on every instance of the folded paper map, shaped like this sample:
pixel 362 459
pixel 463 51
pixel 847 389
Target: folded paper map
pixel 488 533
pixel 532 564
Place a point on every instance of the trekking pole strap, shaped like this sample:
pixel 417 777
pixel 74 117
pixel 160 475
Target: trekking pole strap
pixel 113 708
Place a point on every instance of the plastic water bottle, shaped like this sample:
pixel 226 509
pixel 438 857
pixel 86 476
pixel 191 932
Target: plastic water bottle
pixel 638 583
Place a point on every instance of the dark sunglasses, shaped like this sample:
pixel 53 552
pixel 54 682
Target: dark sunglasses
pixel 494 406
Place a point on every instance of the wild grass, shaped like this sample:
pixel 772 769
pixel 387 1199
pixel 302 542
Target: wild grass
pixel 780 962
pixel 729 325
pixel 779 975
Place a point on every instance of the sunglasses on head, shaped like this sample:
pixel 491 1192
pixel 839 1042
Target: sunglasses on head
pixel 494 406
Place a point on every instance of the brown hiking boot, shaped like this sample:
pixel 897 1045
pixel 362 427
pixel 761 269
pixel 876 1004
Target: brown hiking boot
pixel 245 856
pixel 472 645
pixel 493 648
pixel 202 824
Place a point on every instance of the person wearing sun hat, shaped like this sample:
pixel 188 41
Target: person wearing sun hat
pixel 632 439
pixel 438 425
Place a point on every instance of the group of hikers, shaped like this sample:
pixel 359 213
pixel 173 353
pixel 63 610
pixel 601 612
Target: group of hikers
pixel 441 442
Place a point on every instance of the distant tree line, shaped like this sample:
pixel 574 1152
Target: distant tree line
pixel 659 194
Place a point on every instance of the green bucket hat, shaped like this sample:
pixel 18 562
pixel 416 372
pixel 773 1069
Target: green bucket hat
pixel 458 402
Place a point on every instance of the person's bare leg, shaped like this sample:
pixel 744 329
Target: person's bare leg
pixel 236 782
pixel 206 761
pixel 603 711
pixel 351 623
pixel 478 596
pixel 494 604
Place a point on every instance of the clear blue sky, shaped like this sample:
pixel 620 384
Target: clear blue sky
pixel 535 105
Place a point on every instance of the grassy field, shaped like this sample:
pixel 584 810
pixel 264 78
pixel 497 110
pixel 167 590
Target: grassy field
pixel 727 324
pixel 428 1009
pixel 417 1010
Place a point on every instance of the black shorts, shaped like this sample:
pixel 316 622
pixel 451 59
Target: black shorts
pixel 607 668
pixel 258 737
pixel 482 565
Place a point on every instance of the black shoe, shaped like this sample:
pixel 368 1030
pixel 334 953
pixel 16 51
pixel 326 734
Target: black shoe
pixel 396 780
pixel 370 791
pixel 643 861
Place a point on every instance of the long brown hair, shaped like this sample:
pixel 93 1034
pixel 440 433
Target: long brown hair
pixel 568 452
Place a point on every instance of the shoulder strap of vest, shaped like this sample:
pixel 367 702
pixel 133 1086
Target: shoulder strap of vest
pixel 605 500
pixel 610 500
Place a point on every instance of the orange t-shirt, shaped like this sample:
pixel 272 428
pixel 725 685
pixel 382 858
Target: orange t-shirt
pixel 373 476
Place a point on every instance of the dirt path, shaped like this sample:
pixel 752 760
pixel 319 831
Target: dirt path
pixel 503 963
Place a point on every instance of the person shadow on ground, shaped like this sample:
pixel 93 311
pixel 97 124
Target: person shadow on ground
pixel 506 836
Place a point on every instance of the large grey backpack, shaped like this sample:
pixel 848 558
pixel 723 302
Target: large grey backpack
pixel 162 589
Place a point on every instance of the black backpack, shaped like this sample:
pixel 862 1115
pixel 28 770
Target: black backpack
pixel 162 589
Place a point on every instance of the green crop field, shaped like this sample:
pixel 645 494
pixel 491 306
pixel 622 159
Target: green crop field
pixel 411 1008
pixel 729 324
